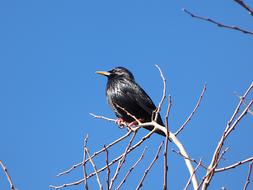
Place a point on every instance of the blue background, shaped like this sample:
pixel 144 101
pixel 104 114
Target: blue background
pixel 50 50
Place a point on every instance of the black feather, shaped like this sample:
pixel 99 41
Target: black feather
pixel 123 92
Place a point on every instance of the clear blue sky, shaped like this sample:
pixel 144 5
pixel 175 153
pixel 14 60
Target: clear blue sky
pixel 50 50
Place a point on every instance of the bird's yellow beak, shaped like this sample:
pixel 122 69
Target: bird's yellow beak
pixel 105 73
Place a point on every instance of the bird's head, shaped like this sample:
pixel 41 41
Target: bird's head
pixel 118 72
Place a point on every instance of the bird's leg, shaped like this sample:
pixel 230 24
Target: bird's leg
pixel 120 122
pixel 134 123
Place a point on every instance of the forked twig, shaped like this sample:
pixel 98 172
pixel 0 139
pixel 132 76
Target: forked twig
pixel 119 157
pixel 95 153
pixel 171 136
pixel 244 103
pixel 211 171
pixel 232 123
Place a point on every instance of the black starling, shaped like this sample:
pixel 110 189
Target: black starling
pixel 123 92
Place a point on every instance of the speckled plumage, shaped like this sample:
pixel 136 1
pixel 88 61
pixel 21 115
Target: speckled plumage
pixel 122 90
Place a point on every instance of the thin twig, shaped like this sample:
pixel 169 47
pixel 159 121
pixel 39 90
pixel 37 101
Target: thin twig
pixel 193 112
pixel 217 23
pixel 234 165
pixel 108 168
pixel 244 103
pixel 95 168
pixel 165 163
pixel 164 93
pixel 131 169
pixel 84 163
pixel 122 160
pixel 191 159
pixel 165 153
pixel 248 176
pixel 103 117
pixel 95 153
pixel 168 111
pixel 67 184
pixel 119 157
pixel 128 113
pixel 190 178
pixel 179 145
pixel 172 137
pixel 149 167
pixel 238 106
pixel 210 171
pixel 7 175
pixel 245 6
pixel 187 161
pixel 229 128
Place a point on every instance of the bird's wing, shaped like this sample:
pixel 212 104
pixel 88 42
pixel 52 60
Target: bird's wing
pixel 139 97
pixel 135 100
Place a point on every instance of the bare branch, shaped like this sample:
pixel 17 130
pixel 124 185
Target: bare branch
pixel 130 149
pixel 210 172
pixel 180 146
pixel 108 168
pixel 103 117
pixel 244 102
pixel 131 169
pixel 217 23
pixel 245 6
pixel 165 153
pixel 164 93
pixel 67 184
pixel 190 178
pixel 128 113
pixel 7 175
pixel 95 169
pixel 187 161
pixel 103 168
pixel 84 163
pixel 229 128
pixel 122 160
pixel 248 176
pixel 234 165
pixel 193 112
pixel 168 112
pixel 94 154
pixel 191 159
pixel 150 166
pixel 239 105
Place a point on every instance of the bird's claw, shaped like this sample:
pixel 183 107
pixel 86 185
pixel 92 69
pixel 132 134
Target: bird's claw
pixel 120 122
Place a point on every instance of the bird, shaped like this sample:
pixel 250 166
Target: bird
pixel 124 95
